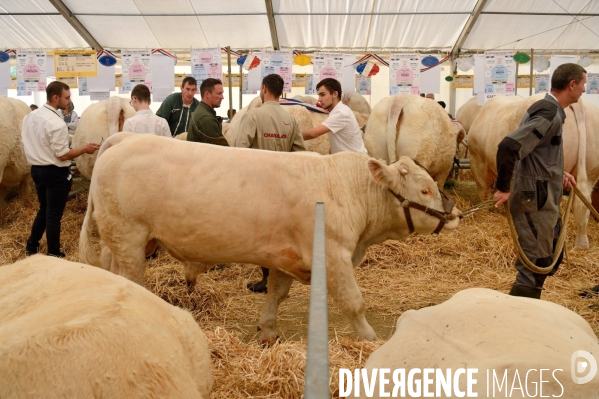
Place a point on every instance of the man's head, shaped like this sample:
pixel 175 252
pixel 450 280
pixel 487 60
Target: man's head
pixel 272 86
pixel 212 91
pixel 329 92
pixel 430 96
pixel 422 94
pixel 33 107
pixel 568 82
pixel 140 97
pixel 58 95
pixel 189 87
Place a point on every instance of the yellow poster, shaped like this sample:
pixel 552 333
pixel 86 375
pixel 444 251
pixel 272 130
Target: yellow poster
pixel 71 82
pixel 74 63
pixel 118 80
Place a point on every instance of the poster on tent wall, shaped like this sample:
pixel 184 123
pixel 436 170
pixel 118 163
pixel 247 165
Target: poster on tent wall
pixel 404 74
pixel 71 82
pixel 592 83
pixel 82 83
pixel 542 83
pixel 4 78
pixel 310 84
pixel 73 63
pixel 206 63
pixel 364 85
pixel 163 76
pixel 500 75
pixel 31 71
pixel 278 62
pixel 327 65
pixel 136 65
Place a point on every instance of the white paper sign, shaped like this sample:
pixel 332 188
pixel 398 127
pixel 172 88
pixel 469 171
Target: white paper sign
pixel 364 85
pixel 104 82
pixel 327 65
pixel 99 95
pixel 310 84
pixel 278 62
pixel 592 83
pixel 500 74
pixel 206 63
pixel 4 76
pixel 254 80
pixel 557 60
pixel 161 93
pixel 82 82
pixel 404 74
pixel 542 83
pixel 31 70
pixel 479 77
pixel 348 83
pixel 163 72
pixel 430 80
pixel 137 68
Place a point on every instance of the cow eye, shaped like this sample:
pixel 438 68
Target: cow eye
pixel 425 192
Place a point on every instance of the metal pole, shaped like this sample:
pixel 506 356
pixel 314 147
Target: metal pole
pixel 240 87
pixel 516 87
pixel 532 54
pixel 317 365
pixel 230 78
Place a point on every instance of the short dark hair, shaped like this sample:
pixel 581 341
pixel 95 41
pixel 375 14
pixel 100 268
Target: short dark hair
pixel 190 80
pixel 422 95
pixel 274 83
pixel 564 74
pixel 142 93
pixel 331 85
pixel 208 85
pixel 55 89
pixel 442 103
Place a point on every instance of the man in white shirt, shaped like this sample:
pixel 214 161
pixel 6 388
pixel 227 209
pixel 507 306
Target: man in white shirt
pixel 45 139
pixel 341 123
pixel 144 120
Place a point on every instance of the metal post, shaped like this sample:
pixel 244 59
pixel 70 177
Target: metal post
pixel 240 88
pixel 230 78
pixel 532 54
pixel 317 365
pixel 516 86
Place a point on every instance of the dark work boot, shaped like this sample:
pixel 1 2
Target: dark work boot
pixel 260 286
pixel 525 292
pixel 589 292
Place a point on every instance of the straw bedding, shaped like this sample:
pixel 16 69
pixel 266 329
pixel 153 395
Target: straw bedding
pixel 396 276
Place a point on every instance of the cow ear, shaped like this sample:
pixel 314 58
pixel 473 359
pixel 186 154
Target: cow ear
pixel 381 173
pixel 404 169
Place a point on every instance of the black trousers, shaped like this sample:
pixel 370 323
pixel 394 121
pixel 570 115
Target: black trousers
pixel 53 185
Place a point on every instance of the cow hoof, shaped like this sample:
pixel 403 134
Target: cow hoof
pixel 581 243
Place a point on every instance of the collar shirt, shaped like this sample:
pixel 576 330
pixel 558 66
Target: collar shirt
pixel 145 121
pixel 345 133
pixel 45 137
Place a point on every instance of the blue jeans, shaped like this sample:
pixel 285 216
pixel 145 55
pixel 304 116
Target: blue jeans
pixel 53 185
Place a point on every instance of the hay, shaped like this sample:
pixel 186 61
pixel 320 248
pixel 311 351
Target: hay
pixel 396 276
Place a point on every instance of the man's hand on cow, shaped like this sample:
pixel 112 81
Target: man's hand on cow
pixel 569 181
pixel 500 197
pixel 90 148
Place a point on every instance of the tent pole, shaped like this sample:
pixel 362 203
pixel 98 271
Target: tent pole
pixel 230 78
pixel 532 54
pixel 516 86
pixel 240 87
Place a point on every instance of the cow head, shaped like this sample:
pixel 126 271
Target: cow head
pixel 425 208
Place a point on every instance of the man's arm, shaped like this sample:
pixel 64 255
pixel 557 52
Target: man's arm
pixel 246 134
pixel 165 108
pixel 314 132
pixel 88 148
pixel 298 141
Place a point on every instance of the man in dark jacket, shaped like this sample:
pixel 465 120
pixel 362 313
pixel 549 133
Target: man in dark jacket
pixel 535 151
pixel 205 125
pixel 178 107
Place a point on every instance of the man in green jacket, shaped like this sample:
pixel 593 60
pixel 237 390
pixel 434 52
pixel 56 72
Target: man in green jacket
pixel 205 125
pixel 178 107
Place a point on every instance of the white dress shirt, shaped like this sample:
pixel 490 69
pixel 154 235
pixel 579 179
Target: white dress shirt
pixel 345 133
pixel 45 137
pixel 144 121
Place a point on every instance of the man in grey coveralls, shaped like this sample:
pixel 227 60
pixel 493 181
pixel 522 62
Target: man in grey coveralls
pixel 535 150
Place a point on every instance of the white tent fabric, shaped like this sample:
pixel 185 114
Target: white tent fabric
pixel 340 25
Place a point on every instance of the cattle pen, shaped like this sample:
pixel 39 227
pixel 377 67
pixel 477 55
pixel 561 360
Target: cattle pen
pixel 395 277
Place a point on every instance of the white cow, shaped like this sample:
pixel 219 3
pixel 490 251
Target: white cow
pixel 305 118
pixel 502 115
pixel 251 206
pixel 356 102
pixel 69 330
pixel 525 345
pixel 413 126
pixel 306 99
pixel 98 122
pixel 14 169
pixel 468 112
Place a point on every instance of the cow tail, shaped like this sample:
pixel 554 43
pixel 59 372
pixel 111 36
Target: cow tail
pixel 113 108
pixel 87 252
pixel 395 109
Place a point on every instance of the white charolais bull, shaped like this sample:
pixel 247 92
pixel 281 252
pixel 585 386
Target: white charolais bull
pixel 468 113
pixel 356 102
pixel 14 169
pixel 409 125
pixel 251 206
pixel 510 338
pixel 98 122
pixel 69 330
pixel 502 115
pixel 305 118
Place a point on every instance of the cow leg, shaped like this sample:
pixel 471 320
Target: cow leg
pixel 343 288
pixel 3 191
pixel 25 187
pixel 581 215
pixel 278 288
pixel 106 258
pixel 129 257
pixel 192 269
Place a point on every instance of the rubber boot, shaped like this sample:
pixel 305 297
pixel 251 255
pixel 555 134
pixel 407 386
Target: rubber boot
pixel 260 286
pixel 589 292
pixel 525 292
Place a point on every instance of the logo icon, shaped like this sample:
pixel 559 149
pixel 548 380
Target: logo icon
pixel 583 363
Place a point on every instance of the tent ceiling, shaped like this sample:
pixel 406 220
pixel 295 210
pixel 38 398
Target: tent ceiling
pixel 335 25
